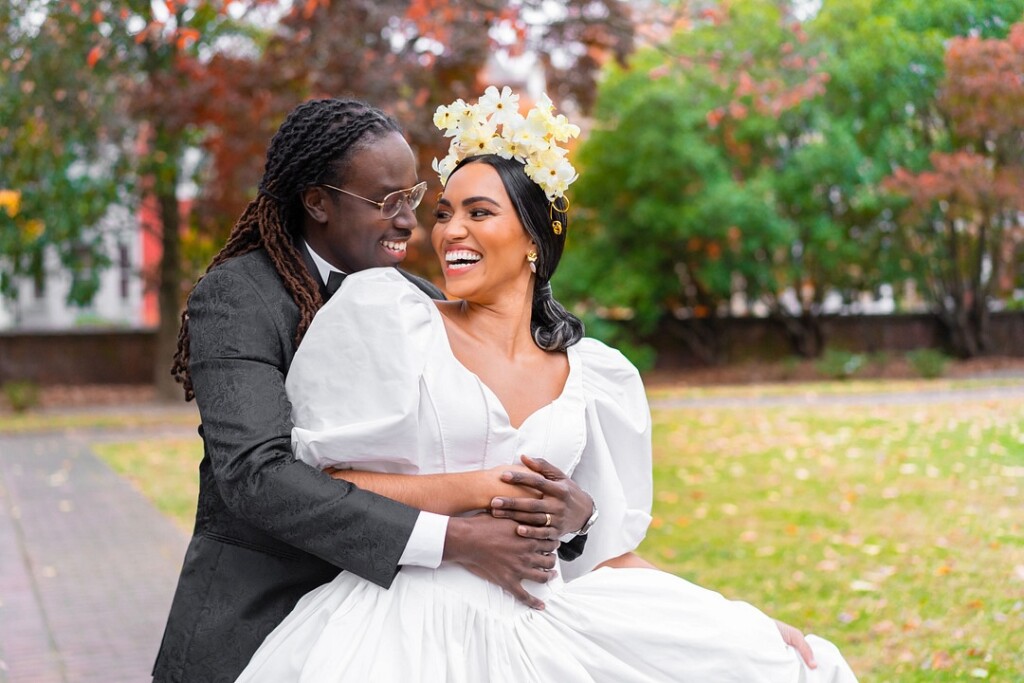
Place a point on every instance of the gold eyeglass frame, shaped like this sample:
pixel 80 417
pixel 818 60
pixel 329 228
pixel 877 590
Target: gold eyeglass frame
pixel 407 198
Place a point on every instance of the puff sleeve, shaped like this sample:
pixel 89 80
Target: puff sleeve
pixel 615 466
pixel 355 381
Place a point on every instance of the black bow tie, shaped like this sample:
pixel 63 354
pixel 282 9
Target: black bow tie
pixel 334 282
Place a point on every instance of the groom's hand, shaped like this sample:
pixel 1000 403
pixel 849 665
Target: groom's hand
pixel 563 507
pixel 491 549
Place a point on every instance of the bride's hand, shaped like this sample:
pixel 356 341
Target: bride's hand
pixel 497 486
pixel 795 639
pixel 563 507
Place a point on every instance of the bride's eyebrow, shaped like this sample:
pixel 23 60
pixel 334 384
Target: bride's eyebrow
pixel 473 200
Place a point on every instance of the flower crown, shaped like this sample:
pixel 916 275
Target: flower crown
pixel 494 126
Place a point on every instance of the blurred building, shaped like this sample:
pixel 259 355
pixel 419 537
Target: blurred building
pixel 126 297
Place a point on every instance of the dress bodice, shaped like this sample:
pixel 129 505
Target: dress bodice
pixel 474 429
pixel 376 386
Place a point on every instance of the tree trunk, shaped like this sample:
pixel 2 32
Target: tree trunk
pixel 804 333
pixel 701 337
pixel 962 333
pixel 169 292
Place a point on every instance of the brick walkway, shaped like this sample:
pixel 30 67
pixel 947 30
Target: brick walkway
pixel 87 566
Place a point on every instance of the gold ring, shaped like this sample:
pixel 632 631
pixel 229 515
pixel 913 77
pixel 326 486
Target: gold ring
pixel 547 519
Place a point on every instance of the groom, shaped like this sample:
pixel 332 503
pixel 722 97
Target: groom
pixel 337 196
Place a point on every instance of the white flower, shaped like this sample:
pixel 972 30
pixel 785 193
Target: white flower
pixel 562 130
pixel 544 104
pixel 477 138
pixel 467 115
pixel 445 166
pixel 554 178
pixel 446 120
pixel 529 132
pixel 495 126
pixel 502 107
pixel 509 148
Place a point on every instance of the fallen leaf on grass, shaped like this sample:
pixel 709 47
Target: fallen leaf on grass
pixel 883 627
pixel 940 659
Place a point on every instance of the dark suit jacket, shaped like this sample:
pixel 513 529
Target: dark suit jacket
pixel 268 528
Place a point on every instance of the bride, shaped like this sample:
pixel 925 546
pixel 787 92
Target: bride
pixel 466 386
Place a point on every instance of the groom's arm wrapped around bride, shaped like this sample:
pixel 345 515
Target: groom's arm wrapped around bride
pixel 268 528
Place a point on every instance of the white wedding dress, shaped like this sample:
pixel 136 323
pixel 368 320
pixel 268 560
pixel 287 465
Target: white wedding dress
pixel 375 386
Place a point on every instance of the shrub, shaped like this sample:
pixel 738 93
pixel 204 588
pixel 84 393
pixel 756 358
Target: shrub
pixel 21 395
pixel 790 367
pixel 837 364
pixel 928 363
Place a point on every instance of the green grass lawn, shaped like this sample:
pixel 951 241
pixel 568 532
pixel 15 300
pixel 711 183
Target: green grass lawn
pixel 165 470
pixel 895 531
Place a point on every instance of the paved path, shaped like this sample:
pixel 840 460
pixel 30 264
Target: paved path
pixel 87 565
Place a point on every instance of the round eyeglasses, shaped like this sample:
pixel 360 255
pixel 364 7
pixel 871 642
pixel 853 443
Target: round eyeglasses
pixel 394 202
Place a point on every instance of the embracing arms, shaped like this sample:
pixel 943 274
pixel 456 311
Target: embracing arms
pixel 535 494
pixel 240 339
pixel 516 541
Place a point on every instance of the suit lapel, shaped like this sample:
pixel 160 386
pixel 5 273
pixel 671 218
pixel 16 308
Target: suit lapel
pixel 311 266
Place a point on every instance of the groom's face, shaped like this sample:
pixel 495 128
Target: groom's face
pixel 349 232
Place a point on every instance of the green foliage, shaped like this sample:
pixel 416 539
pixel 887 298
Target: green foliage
pixel 62 145
pixel 928 363
pixel 838 364
pixel 21 395
pixel 618 336
pixel 716 168
pixel 746 153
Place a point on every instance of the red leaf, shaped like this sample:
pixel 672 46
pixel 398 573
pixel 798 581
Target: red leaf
pixel 94 56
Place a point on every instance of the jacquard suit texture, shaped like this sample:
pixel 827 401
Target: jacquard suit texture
pixel 268 528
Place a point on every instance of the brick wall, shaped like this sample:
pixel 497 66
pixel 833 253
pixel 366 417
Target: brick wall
pixel 79 357
pixel 125 357
pixel 745 339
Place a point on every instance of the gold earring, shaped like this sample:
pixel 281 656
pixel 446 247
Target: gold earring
pixel 532 258
pixel 556 225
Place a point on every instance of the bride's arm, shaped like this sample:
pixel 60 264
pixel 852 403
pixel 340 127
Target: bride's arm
pixel 627 561
pixel 791 635
pixel 445 494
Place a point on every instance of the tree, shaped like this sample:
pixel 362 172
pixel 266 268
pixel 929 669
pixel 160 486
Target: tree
pixel 123 62
pixel 219 75
pixel 61 149
pixel 695 176
pixel 406 57
pixel 964 220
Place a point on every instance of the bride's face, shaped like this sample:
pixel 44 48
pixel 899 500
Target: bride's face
pixel 478 237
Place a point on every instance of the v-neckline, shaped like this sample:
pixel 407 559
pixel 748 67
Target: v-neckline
pixel 497 400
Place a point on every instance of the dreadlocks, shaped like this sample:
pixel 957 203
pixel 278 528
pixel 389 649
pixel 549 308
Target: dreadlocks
pixel 314 141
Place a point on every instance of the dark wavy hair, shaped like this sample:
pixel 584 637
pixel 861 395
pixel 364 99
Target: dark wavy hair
pixel 313 144
pixel 553 327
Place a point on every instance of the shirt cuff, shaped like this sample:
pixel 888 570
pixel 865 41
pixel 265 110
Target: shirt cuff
pixel 426 543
